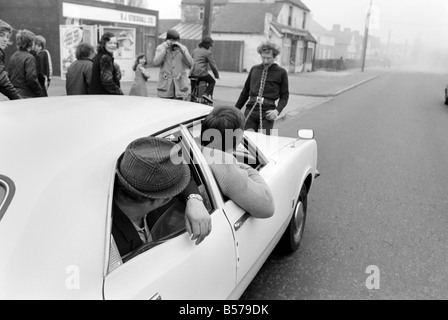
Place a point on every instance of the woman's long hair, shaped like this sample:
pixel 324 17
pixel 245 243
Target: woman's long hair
pixel 105 38
pixel 137 59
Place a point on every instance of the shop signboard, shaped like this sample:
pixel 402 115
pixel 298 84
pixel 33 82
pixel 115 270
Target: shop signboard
pixel 77 11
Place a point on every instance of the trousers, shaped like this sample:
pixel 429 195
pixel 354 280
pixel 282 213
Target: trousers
pixel 253 122
pixel 211 82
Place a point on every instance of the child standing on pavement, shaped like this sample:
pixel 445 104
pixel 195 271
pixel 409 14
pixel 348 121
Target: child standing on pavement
pixel 141 76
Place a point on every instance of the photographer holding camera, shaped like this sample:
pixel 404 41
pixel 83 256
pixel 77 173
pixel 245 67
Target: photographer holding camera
pixel 173 59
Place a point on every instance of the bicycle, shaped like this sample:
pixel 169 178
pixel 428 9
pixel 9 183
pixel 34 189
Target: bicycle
pixel 197 92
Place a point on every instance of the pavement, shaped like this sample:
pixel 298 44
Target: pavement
pixel 307 90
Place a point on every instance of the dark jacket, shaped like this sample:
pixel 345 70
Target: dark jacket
pixel 23 74
pixel 79 75
pixel 276 87
pixel 104 76
pixel 6 86
pixel 43 61
pixel 162 222
pixel 202 59
pixel 43 70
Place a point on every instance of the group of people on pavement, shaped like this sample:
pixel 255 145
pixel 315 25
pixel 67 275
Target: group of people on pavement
pixel 30 68
pixel 265 92
pixel 99 74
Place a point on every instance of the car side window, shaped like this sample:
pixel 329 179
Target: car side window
pixel 244 155
pixel 194 168
pixel 246 152
pixel 167 221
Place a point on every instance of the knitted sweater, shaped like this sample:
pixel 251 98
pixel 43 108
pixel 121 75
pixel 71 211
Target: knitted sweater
pixel 241 183
pixel 276 87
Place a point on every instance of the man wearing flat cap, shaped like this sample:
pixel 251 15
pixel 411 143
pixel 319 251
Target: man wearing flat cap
pixel 148 181
pixel 173 59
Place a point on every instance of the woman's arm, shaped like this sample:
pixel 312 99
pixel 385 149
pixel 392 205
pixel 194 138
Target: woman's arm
pixel 107 77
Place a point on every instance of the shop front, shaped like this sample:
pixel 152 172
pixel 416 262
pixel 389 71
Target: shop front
pixel 67 23
pixel 135 31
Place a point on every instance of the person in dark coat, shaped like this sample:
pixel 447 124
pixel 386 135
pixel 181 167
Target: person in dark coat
pixel 266 90
pixel 79 74
pixel 23 66
pixel 105 79
pixel 6 86
pixel 44 64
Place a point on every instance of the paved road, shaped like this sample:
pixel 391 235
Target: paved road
pixel 382 198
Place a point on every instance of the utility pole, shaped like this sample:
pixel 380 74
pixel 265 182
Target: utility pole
pixel 366 36
pixel 208 17
pixel 388 44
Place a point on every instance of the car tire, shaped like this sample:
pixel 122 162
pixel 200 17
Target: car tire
pixel 446 96
pixel 292 237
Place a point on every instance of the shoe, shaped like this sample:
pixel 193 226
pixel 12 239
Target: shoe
pixel 207 98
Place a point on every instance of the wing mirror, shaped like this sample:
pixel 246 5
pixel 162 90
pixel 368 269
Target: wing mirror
pixel 306 134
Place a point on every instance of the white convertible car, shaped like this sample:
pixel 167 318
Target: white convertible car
pixel 57 167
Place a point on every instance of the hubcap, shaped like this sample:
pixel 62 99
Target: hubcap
pixel 299 215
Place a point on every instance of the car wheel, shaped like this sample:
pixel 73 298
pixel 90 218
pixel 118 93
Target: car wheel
pixel 446 96
pixel 292 237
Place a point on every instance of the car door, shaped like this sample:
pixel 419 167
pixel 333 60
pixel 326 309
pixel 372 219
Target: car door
pixel 177 268
pixel 257 237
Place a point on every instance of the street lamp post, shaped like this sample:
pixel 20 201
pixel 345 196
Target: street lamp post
pixel 366 36
pixel 208 14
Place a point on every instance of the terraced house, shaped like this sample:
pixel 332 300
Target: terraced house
pixel 246 23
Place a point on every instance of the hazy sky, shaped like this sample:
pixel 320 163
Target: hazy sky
pixel 404 20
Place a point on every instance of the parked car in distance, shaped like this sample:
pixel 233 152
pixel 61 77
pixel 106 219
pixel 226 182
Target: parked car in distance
pixel 57 168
